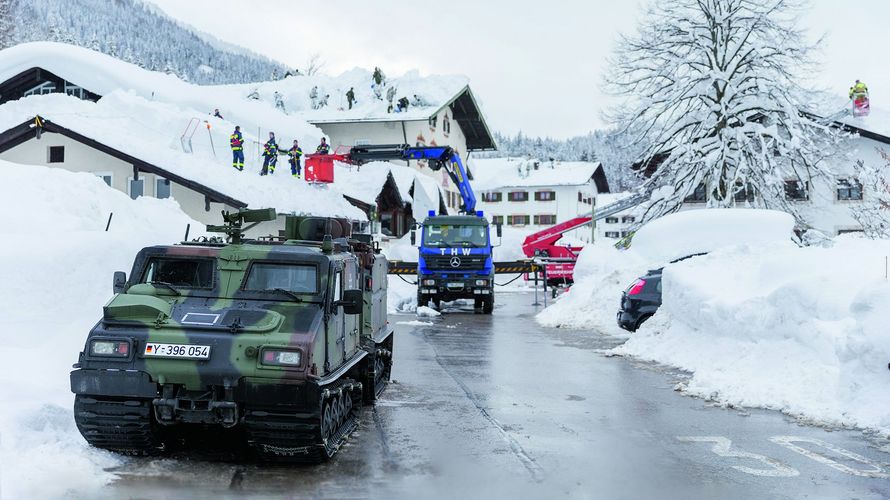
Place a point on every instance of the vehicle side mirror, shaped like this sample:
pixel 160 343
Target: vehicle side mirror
pixel 413 237
pixel 353 301
pixel 499 230
pixel 119 282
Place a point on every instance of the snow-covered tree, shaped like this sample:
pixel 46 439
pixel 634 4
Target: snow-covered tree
pixel 7 34
pixel 873 182
pixel 713 90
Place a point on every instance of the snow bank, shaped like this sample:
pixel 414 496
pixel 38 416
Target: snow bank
pixel 57 266
pixel 758 321
pixel 802 330
pixel 601 273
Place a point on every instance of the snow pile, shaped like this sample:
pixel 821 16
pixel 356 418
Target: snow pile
pixel 57 267
pixel 802 330
pixel 758 321
pixel 427 312
pixel 142 128
pixel 603 272
pixel 699 231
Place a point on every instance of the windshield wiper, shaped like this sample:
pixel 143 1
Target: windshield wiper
pixel 165 285
pixel 289 293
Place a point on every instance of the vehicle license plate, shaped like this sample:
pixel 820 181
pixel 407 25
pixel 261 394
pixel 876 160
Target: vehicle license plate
pixel 186 351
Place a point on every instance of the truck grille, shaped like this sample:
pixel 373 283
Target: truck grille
pixel 467 262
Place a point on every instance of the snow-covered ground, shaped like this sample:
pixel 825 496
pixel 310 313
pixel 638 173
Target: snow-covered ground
pixel 56 264
pixel 763 323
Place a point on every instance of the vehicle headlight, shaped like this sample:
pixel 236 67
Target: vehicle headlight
pixel 429 282
pixel 276 357
pixel 481 282
pixel 110 348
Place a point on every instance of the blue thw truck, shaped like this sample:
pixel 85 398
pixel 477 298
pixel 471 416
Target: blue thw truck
pixel 455 260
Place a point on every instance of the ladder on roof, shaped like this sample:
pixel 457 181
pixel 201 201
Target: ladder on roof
pixel 186 138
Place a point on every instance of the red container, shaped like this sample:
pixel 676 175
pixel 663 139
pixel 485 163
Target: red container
pixel 320 168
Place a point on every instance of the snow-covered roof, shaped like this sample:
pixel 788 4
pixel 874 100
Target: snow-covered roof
pixel 150 131
pixel 840 110
pixel 365 184
pixel 434 92
pixel 361 183
pixel 103 75
pixel 497 173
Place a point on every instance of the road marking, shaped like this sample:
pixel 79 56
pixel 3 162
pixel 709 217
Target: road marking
pixel 723 448
pixel 788 442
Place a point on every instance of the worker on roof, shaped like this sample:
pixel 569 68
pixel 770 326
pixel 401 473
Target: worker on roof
pixel 402 105
pixel 858 89
pixel 217 114
pixel 237 143
pixel 270 155
pixel 293 156
pixel 323 148
pixel 350 97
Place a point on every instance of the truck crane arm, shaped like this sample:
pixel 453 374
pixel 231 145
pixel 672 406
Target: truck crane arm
pixel 439 157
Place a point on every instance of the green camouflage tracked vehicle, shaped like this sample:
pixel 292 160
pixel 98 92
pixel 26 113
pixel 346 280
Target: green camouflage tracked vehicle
pixel 283 339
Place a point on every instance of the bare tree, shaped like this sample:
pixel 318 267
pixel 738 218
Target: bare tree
pixel 873 183
pixel 314 64
pixel 712 90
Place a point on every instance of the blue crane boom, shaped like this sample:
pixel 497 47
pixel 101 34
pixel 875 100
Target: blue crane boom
pixel 439 157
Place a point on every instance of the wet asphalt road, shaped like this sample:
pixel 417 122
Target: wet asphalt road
pixel 498 407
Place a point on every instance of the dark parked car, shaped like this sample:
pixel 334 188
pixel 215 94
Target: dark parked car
pixel 640 300
pixel 643 297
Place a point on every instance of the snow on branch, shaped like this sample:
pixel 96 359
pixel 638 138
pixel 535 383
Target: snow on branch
pixel 874 188
pixel 712 88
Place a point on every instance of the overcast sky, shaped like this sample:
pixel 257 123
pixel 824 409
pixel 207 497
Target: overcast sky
pixel 535 65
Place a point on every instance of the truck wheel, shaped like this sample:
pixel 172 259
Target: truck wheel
pixel 488 305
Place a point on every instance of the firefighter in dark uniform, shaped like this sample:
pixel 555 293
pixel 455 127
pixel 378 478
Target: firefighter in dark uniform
pixel 323 148
pixel 270 155
pixel 237 143
pixel 293 157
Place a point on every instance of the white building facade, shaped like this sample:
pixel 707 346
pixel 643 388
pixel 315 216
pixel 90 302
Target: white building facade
pixel 826 204
pixel 458 123
pixel 536 198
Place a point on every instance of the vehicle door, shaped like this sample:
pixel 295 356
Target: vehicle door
pixel 352 322
pixel 336 319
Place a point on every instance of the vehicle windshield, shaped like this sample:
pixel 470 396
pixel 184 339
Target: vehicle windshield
pixel 294 278
pixel 441 235
pixel 179 272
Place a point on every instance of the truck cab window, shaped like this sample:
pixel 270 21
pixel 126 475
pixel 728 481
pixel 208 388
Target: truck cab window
pixel 291 277
pixel 179 272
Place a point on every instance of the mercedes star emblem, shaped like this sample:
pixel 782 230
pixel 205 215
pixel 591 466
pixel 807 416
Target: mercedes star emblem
pixel 455 262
